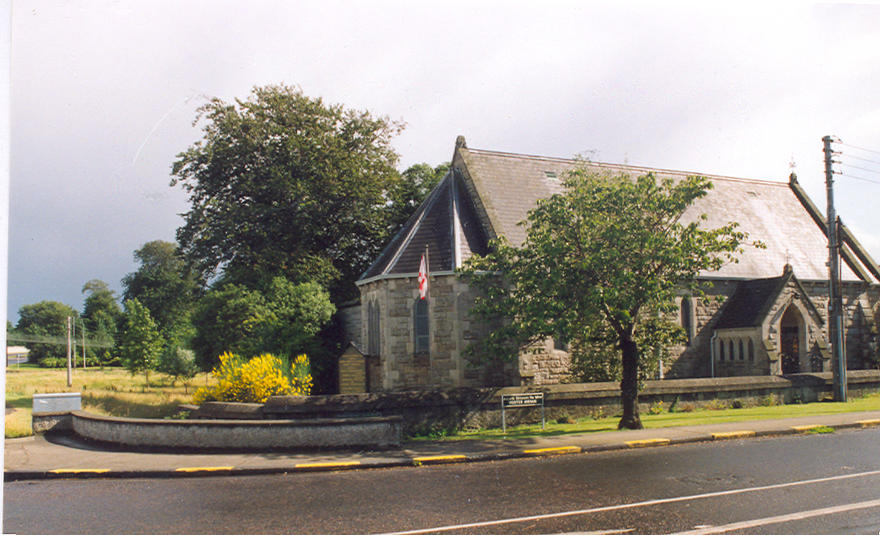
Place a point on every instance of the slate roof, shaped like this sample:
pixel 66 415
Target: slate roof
pixel 490 192
pixel 750 301
pixel 753 299
pixel 445 224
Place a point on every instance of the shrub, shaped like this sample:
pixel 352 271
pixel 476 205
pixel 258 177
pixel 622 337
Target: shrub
pixel 564 418
pixel 656 408
pixel 53 362
pixel 736 404
pixel 716 405
pixel 179 363
pixel 767 401
pixel 254 380
pixel 686 407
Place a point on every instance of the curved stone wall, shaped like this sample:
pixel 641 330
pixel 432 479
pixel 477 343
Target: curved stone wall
pixel 382 432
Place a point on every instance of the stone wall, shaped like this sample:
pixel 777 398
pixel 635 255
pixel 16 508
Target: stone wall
pixel 252 434
pixel 859 301
pixel 431 410
pixel 398 366
pixel 542 364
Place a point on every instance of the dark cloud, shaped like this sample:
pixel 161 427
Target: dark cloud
pixel 104 93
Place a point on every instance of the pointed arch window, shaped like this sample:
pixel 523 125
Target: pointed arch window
pixel 687 318
pixel 751 350
pixel 721 350
pixel 742 354
pixel 421 327
pixel 373 341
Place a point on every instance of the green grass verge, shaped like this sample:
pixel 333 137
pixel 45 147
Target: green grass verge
pixel 108 391
pixel 665 419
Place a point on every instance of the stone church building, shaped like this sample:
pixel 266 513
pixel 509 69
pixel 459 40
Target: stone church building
pixel 773 319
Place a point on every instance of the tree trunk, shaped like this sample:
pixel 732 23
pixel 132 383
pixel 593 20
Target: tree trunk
pixel 629 386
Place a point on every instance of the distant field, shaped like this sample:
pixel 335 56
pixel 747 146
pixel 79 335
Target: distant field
pixel 111 391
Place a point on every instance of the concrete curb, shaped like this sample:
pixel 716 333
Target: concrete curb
pixel 421 460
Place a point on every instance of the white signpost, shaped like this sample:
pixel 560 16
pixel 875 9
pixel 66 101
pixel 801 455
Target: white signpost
pixel 515 401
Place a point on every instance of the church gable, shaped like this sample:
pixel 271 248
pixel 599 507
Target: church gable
pixel 445 226
pixel 754 301
pixel 769 326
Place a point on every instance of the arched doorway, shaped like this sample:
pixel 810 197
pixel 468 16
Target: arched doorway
pixel 790 340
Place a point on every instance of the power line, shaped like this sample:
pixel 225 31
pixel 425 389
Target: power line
pixel 861 178
pixel 859 168
pixel 53 340
pixel 838 142
pixel 862 159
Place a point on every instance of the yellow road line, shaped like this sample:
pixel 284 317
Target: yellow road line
pixel 868 423
pixel 552 451
pixel 647 442
pixel 328 465
pixel 80 471
pixel 439 459
pixel 205 469
pixel 733 434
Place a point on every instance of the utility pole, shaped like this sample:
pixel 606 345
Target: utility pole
pixel 84 342
pixel 73 337
pixel 835 299
pixel 69 378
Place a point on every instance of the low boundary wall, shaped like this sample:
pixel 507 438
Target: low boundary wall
pixel 378 420
pixel 376 432
pixel 432 410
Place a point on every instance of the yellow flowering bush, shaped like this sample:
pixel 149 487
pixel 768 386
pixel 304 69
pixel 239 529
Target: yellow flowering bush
pixel 300 376
pixel 254 380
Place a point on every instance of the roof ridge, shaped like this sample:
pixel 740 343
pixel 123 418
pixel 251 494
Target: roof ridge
pixel 628 166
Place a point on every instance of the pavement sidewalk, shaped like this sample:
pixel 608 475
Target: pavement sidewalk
pixel 66 456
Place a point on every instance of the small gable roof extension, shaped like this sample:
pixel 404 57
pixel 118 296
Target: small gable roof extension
pixel 753 299
pixel 488 193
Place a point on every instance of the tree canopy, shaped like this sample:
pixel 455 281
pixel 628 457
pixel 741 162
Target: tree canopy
pixel 46 319
pixel 282 184
pixel 101 311
pixel 601 266
pixel 165 285
pixel 282 319
pixel 140 342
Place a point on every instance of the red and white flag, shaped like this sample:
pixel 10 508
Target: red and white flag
pixel 423 278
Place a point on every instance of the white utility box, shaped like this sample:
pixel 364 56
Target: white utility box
pixel 63 402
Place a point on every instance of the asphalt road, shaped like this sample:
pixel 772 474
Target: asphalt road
pixel 796 484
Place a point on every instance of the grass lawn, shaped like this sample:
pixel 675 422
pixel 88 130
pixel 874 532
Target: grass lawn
pixel 111 391
pixel 668 419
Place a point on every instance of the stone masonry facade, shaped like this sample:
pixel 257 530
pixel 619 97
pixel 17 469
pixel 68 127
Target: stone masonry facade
pixel 398 366
pixel 747 351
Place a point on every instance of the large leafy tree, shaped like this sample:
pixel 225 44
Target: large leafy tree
pixel 414 185
pixel 282 319
pixel 140 342
pixel 44 325
pixel 601 266
pixel 101 312
pixel 282 184
pixel 228 318
pixel 166 286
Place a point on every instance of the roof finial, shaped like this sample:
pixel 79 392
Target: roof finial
pixel 792 178
pixel 460 143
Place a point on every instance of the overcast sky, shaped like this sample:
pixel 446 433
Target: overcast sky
pixel 104 94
